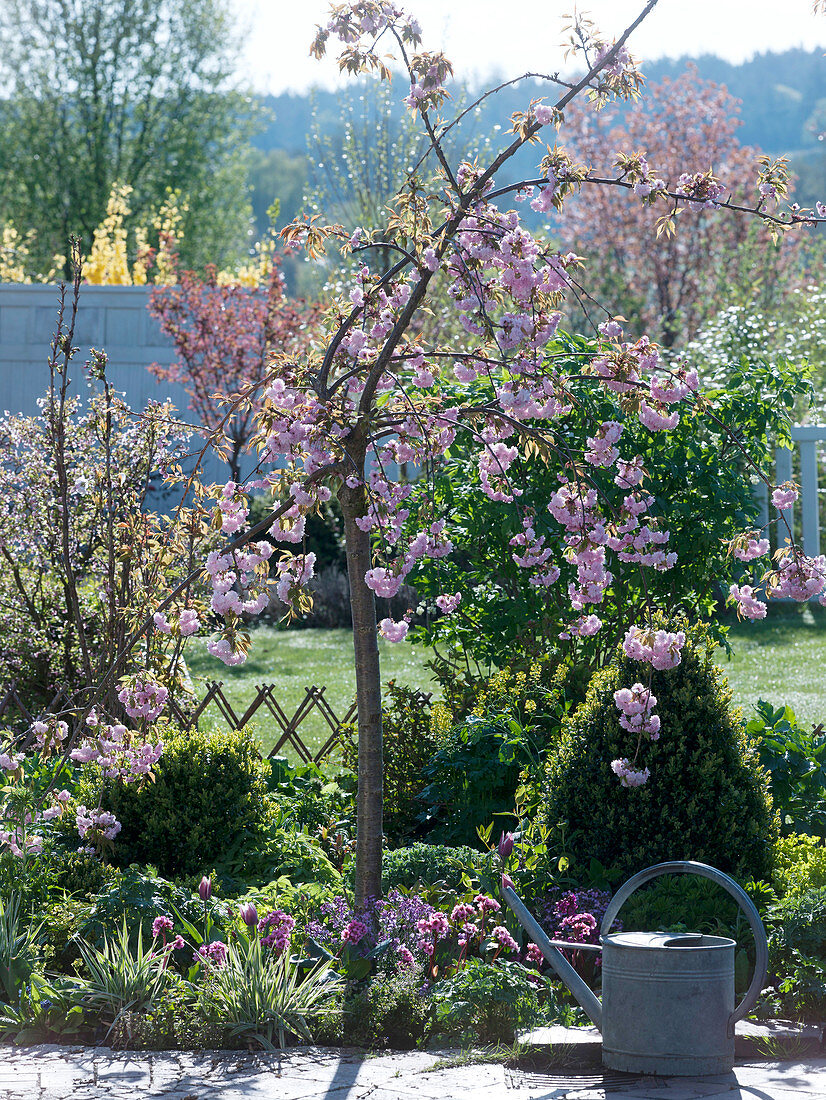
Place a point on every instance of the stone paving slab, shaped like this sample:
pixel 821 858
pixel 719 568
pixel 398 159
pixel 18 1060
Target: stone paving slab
pixel 84 1073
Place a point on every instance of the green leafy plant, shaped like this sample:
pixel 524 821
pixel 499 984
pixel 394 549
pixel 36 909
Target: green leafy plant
pixel 119 978
pixel 502 615
pixel 18 948
pixel 795 759
pixel 797 951
pixel 486 1001
pixel 387 1011
pixel 707 796
pixel 426 864
pixel 473 778
pixel 409 741
pixel 209 794
pixel 261 995
pixel 174 1021
pixel 799 864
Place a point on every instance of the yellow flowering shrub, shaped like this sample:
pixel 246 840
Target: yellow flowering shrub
pixel 15 252
pixel 116 260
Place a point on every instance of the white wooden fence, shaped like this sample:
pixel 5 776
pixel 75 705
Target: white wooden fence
pixel 115 319
pixel 803 517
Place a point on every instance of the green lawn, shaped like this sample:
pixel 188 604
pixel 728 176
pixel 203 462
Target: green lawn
pixel 294 660
pixel 781 659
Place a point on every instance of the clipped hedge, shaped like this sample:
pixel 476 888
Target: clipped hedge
pixel 707 798
pixel 209 795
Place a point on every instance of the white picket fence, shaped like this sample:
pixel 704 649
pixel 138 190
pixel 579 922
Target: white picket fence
pixel 803 518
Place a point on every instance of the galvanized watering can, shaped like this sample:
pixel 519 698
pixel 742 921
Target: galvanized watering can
pixel 667 999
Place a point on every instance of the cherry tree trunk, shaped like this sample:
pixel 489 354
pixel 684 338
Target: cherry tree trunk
pixel 368 697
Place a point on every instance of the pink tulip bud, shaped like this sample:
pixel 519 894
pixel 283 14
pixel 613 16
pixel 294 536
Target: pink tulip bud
pixel 249 914
pixel 505 845
pixel 507 881
pixel 205 888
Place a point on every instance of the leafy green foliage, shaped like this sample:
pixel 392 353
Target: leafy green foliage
pixel 426 864
pixel 387 1011
pixel 486 1002
pixel 261 995
pixel 129 91
pixel 18 950
pixel 798 950
pixel 120 976
pixel 274 853
pixel 799 864
pixel 139 894
pixel 62 924
pixel 695 469
pixel 175 1021
pixel 473 778
pixel 707 796
pixel 209 795
pixel 795 759
pixel 409 741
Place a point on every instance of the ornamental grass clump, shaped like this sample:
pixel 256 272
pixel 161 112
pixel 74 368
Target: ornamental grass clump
pixel 707 796
pixel 263 994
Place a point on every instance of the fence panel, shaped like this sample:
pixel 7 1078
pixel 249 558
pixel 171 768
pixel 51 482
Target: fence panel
pixel 314 703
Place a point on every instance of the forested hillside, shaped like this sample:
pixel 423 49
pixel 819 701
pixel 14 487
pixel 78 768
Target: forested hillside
pixel 784 112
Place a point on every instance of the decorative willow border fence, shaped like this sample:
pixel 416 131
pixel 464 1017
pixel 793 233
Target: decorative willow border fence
pixel 187 715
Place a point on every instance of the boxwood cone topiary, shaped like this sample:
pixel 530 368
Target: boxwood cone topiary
pixel 707 798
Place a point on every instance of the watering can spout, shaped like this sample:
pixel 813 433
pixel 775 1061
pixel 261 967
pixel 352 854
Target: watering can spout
pixel 590 1003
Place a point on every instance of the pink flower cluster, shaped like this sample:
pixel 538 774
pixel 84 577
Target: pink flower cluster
pixel 659 648
pixel 797 577
pixel 785 495
pixel 143 699
pixel 636 705
pixel 354 931
pixel 118 754
pixel 629 776
pixel 188 623
pixel 747 603
pixel 393 631
pixel 750 547
pixel 211 954
pixel 20 840
pixel 278 927
pixel 700 188
pixel 96 825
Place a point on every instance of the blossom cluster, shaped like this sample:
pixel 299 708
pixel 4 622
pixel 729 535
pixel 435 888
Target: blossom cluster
pixel 636 705
pixel 96 825
pixel 143 699
pixel 276 928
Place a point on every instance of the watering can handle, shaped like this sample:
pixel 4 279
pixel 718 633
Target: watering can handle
pixel 686 866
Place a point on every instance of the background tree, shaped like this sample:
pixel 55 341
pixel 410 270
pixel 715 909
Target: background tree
pixel 223 337
pixel 135 91
pixel 667 287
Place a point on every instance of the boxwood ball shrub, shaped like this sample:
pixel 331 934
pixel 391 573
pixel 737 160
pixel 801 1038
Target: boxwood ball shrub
pixel 209 794
pixel 707 797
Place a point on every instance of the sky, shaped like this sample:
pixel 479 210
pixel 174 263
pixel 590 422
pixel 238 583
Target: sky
pixel 486 37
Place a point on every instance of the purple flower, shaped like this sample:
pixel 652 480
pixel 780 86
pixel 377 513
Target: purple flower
pixel 161 925
pixel 214 953
pixel 505 845
pixel 205 889
pixel 280 925
pixel 248 914
pixel 355 931
pixel 504 939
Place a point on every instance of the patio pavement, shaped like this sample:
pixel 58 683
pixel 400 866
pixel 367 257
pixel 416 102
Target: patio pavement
pixel 97 1073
